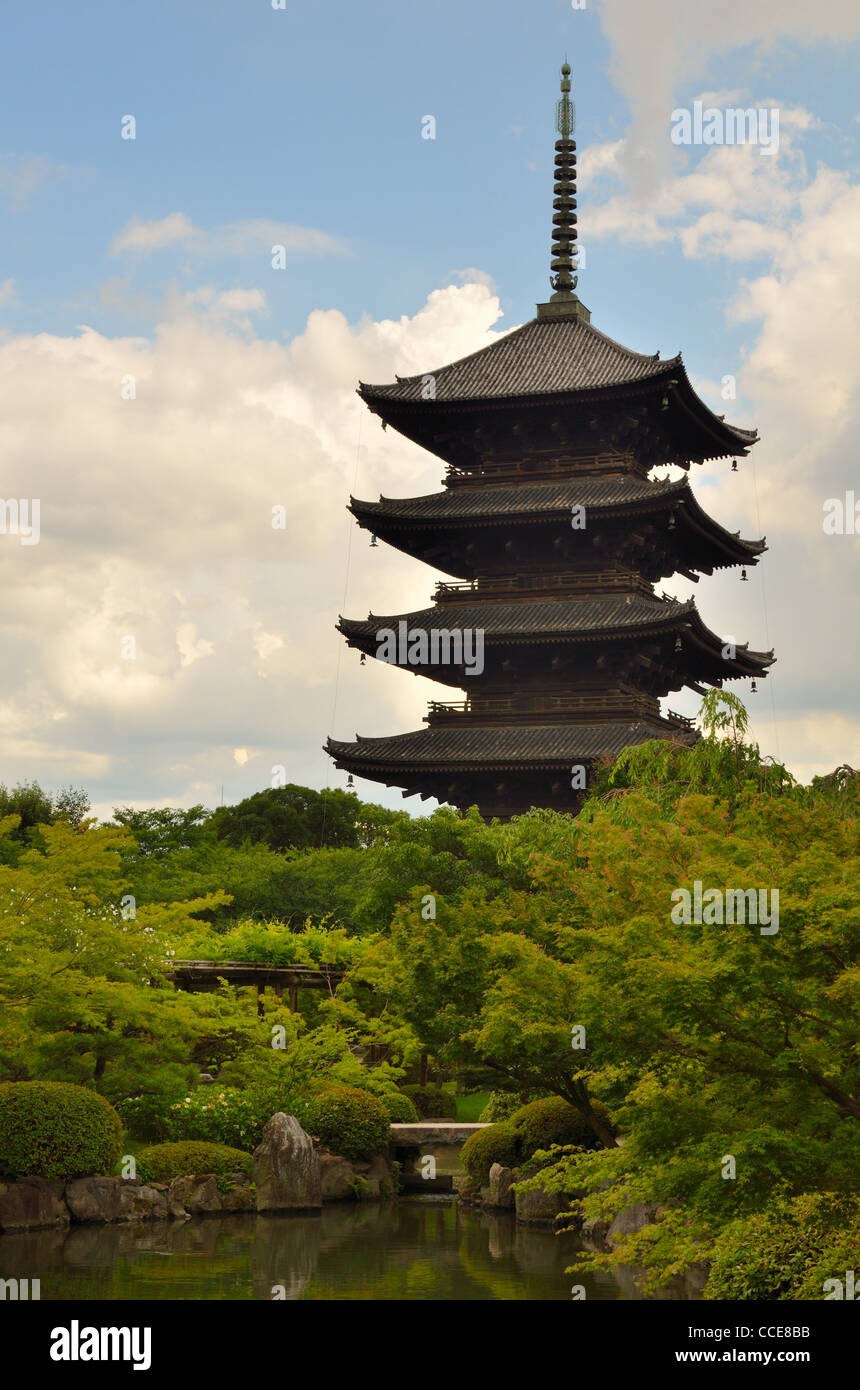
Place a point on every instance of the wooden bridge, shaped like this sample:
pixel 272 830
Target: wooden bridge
pixel 202 976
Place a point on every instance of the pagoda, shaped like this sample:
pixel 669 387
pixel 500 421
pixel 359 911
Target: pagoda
pixel 552 534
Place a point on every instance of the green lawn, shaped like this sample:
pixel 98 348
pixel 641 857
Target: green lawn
pixel 469 1107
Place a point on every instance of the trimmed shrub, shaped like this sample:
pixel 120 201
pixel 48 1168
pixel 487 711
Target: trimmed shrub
pixel 348 1121
pixel 500 1106
pixel 147 1117
pixel 553 1121
pixel 431 1102
pixel 401 1110
pixel 497 1144
pixel 52 1129
pixel 163 1162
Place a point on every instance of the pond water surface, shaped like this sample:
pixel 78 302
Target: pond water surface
pixel 411 1249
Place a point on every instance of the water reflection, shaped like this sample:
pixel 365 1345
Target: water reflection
pixel 406 1250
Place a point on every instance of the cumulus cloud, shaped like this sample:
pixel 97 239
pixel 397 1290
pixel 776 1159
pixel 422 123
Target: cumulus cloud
pixel 157 527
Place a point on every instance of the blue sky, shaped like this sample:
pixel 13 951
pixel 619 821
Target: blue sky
pixel 250 118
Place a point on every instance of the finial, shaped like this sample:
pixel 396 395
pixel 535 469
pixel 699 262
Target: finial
pixel 563 280
pixel 564 303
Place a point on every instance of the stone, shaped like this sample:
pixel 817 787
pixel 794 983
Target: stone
pixel 204 1199
pixel 31 1203
pixel 539 1208
pixel 177 1197
pixel 501 1194
pixel 631 1220
pixel 286 1167
pixel 95 1199
pixel 380 1179
pixel 240 1196
pixel 140 1202
pixel 595 1230
pixel 337 1177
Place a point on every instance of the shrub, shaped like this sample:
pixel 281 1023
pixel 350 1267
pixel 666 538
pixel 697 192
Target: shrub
pixel 51 1129
pixel 497 1144
pixel 431 1102
pixel 788 1251
pixel 147 1117
pixel 163 1162
pixel 230 1116
pixel 401 1110
pixel 554 1121
pixel 500 1106
pixel 348 1121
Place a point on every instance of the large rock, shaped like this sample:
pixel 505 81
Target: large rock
pixel 286 1167
pixel 539 1208
pixel 337 1177
pixel 379 1176
pixel 501 1194
pixel 631 1220
pixel 95 1199
pixel 32 1202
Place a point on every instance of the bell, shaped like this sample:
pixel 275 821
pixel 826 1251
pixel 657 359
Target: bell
pixel 743 576
pixel 374 541
pixel 349 782
pixel 753 687
pixel 363 659
pixel 672 522
pixel 679 646
pixel 734 465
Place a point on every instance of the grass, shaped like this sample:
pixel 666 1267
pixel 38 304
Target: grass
pixel 469 1107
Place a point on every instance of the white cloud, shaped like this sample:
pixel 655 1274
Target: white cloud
pixel 244 238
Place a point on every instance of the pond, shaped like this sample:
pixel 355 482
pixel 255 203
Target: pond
pixel 411 1249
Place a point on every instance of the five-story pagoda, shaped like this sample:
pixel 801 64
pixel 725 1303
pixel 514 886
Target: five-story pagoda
pixel 554 535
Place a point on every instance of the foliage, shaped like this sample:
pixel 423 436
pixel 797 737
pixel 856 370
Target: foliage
pixel 543 1123
pixel 500 1106
pixel 496 1144
pixel 401 1110
pixel 349 1122
pixel 788 1251
pixel 164 1162
pixel 431 1102
pixel 293 817
pixel 50 1129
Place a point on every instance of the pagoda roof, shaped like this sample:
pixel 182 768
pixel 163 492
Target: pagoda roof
pixel 541 357
pixel 590 618
pixel 488 748
pixel 506 505
pixel 561 359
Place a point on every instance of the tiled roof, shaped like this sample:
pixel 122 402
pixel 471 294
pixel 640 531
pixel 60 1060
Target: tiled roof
pixel 489 747
pixel 544 356
pixel 563 617
pixel 495 500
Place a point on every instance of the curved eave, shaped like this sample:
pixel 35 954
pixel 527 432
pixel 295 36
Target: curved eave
pixel 417 419
pixel 381 520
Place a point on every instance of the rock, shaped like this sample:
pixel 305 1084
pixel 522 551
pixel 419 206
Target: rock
pixel 32 1202
pixel 501 1194
pixel 141 1202
pixel 595 1230
pixel 177 1197
pixel 240 1196
pixel 204 1197
pixel 539 1208
pixel 380 1178
pixel 337 1177
pixel 286 1167
pixel 206 1079
pixel 95 1199
pixel 630 1220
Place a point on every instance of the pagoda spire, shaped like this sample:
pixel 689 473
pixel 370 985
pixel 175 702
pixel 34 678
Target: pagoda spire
pixel 564 248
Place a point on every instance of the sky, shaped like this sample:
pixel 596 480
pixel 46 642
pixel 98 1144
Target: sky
pixel 164 386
